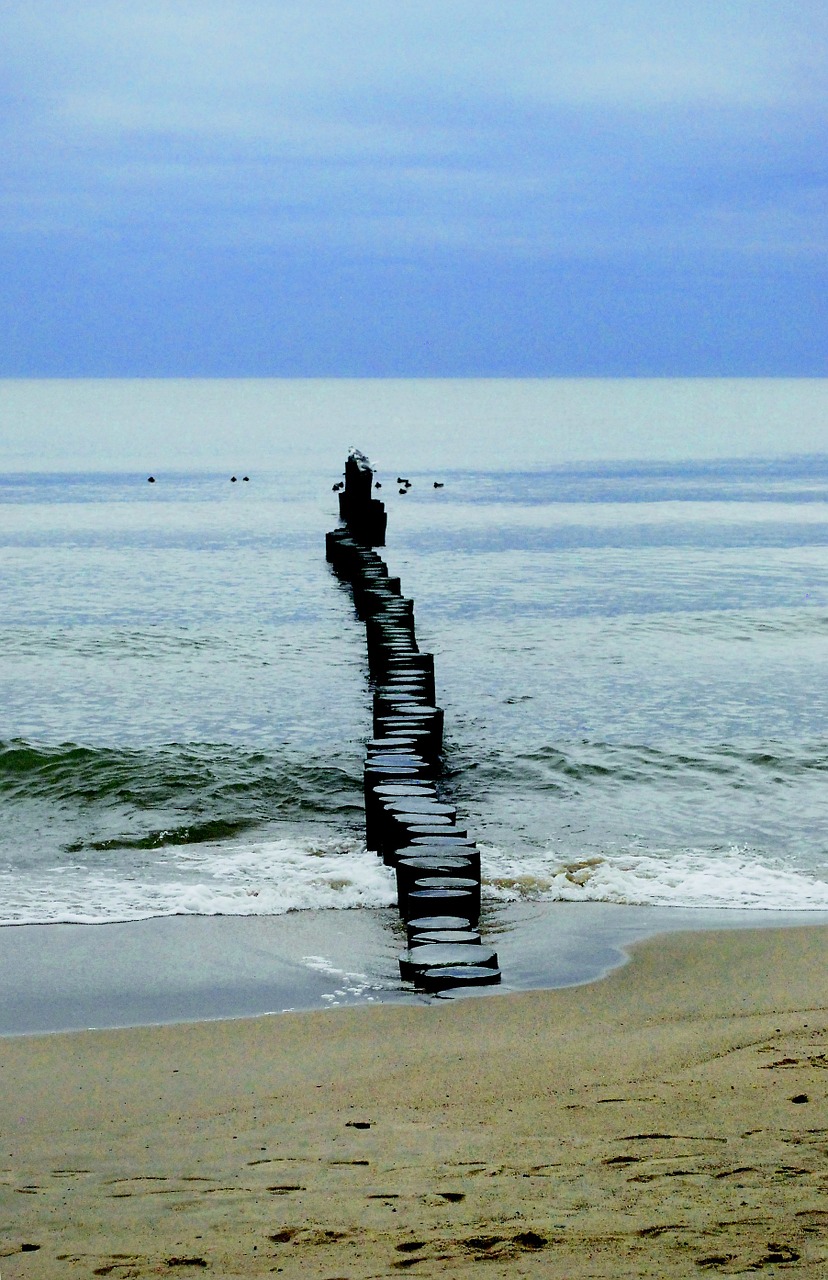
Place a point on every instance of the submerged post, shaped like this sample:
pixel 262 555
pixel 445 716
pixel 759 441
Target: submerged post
pixel 407 822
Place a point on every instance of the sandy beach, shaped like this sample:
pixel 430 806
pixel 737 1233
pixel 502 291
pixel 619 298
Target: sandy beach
pixel 668 1120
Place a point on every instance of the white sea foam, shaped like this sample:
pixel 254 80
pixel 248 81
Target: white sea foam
pixel 272 877
pixel 731 877
pixel 268 877
pixel 349 985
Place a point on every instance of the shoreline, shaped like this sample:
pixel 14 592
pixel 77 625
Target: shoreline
pixel 669 1120
pixel 179 969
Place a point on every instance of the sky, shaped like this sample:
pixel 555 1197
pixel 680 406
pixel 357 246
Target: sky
pixel 414 188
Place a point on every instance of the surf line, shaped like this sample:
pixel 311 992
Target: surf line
pixel 407 823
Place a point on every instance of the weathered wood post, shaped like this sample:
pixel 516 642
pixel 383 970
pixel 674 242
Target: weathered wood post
pixel 406 820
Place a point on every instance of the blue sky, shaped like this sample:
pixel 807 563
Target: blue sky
pixel 368 188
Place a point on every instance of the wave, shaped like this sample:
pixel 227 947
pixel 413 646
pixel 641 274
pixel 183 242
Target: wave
pixel 208 830
pixel 722 878
pixel 553 768
pixel 111 644
pixel 265 877
pixel 738 624
pixel 274 876
pixel 191 833
pixel 106 799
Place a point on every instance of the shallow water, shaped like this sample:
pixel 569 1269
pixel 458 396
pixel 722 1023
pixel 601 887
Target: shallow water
pixel 631 659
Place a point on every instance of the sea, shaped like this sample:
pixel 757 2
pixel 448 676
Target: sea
pixel 630 654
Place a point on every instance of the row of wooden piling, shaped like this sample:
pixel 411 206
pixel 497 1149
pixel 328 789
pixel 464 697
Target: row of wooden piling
pixel 407 822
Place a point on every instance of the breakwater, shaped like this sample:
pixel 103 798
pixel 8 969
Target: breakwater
pixel 407 821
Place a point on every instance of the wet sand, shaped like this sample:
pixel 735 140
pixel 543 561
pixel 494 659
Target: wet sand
pixel 66 977
pixel 668 1120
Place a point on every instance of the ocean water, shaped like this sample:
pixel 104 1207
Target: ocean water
pixel 631 658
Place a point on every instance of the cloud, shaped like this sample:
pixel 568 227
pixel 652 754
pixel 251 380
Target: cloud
pixel 617 52
pixel 410 132
pixel 388 176
pixel 241 72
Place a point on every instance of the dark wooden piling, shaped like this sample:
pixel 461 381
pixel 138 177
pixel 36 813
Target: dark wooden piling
pixel 407 820
pixel 363 514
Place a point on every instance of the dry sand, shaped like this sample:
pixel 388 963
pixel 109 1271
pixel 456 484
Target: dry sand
pixel 670 1120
